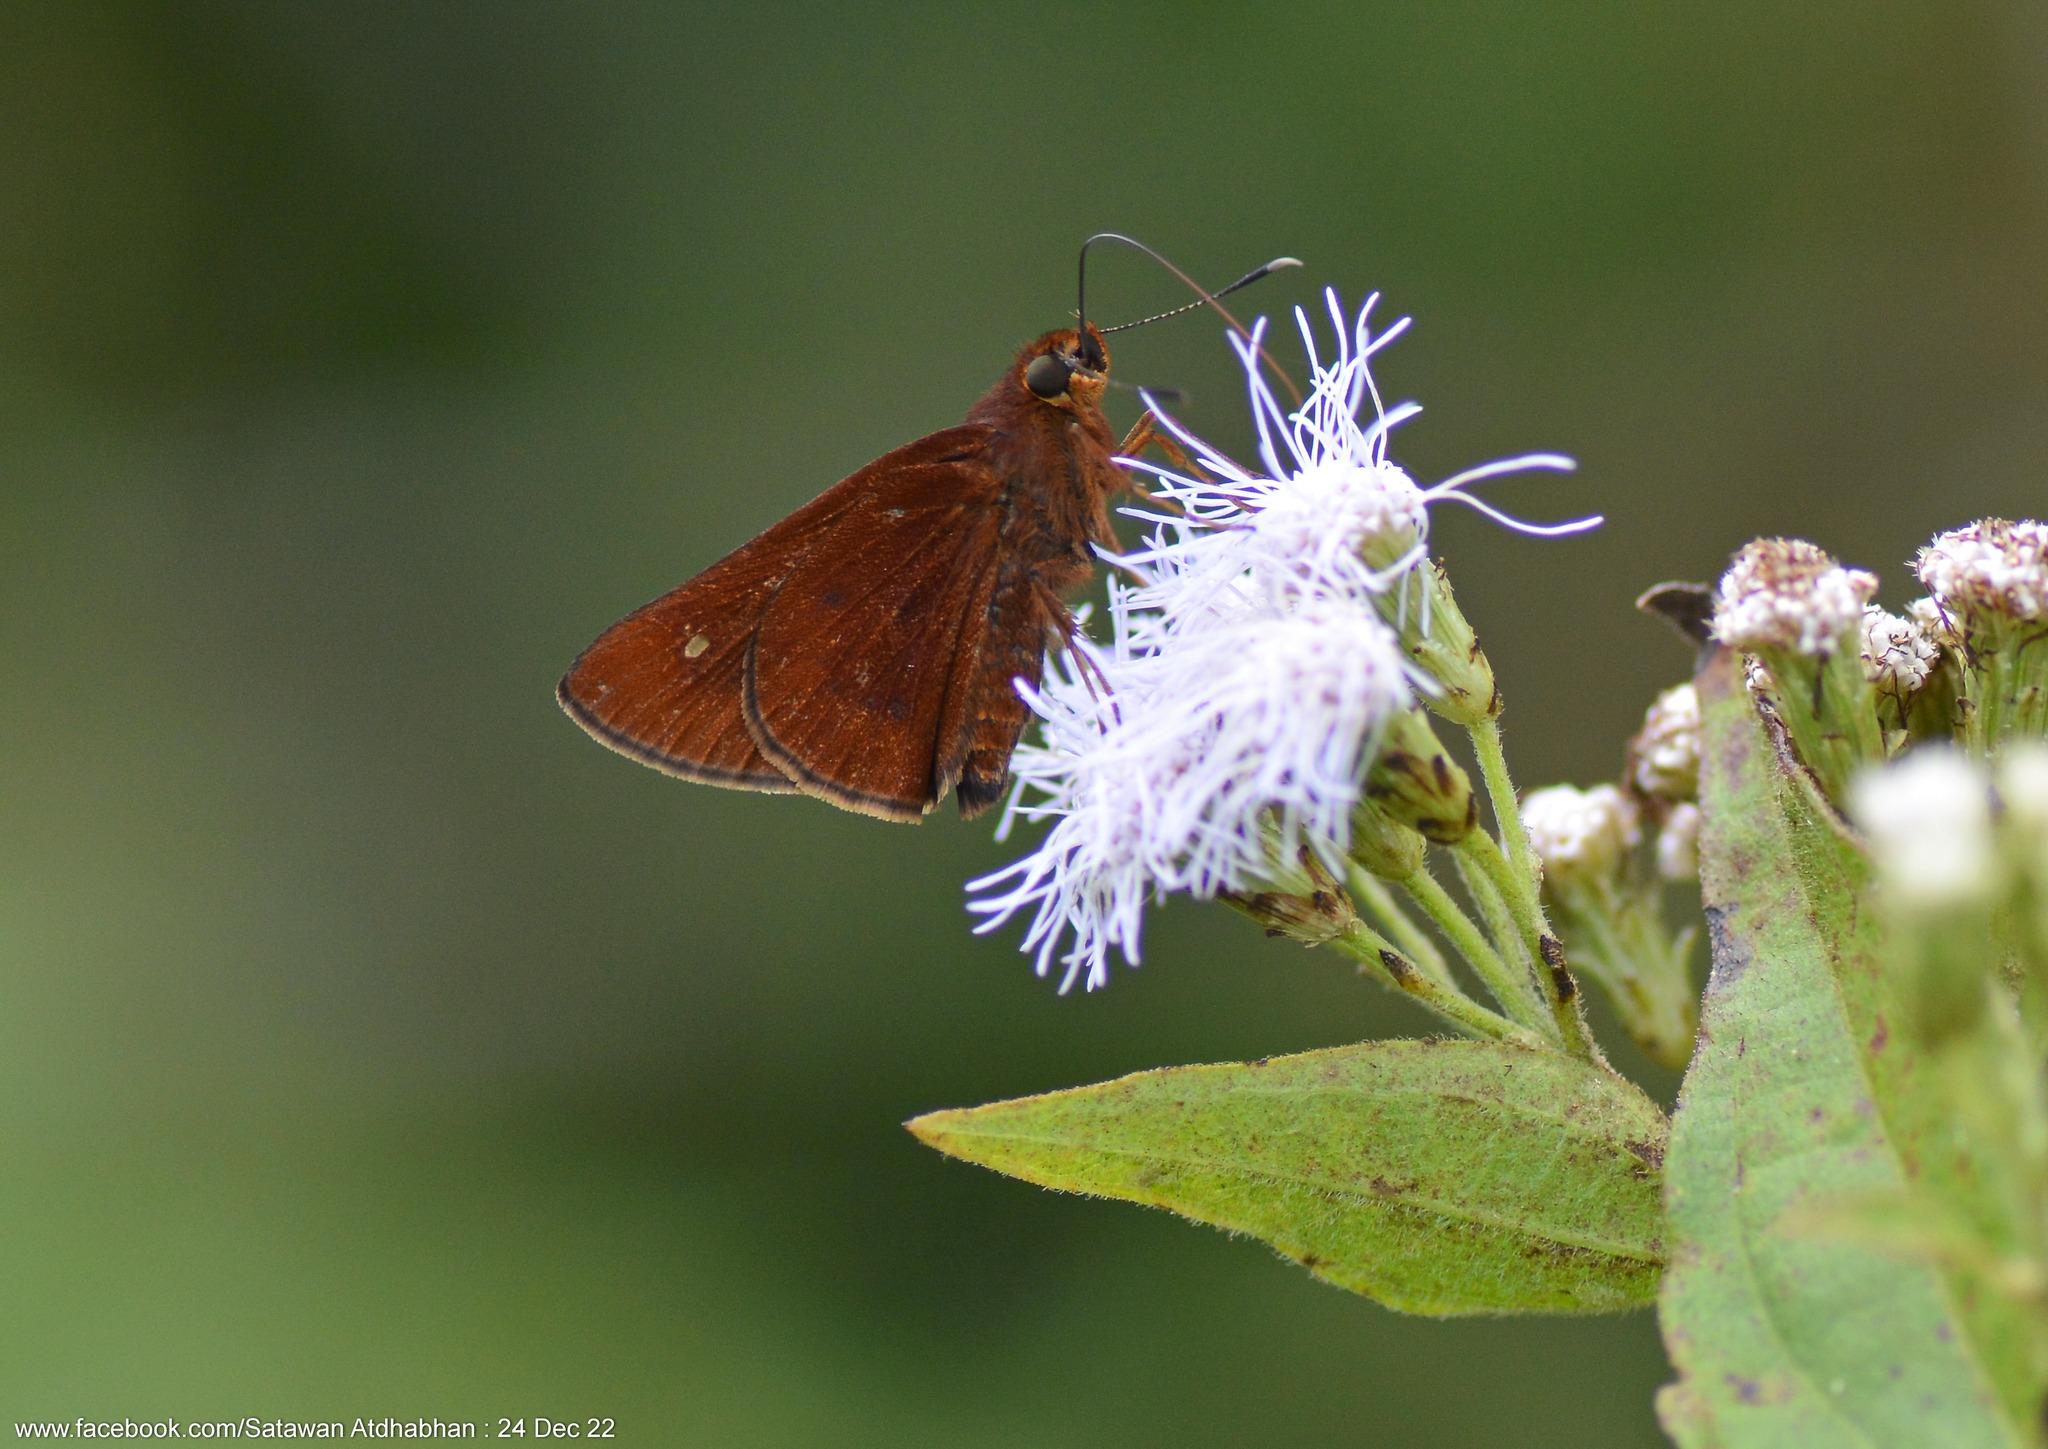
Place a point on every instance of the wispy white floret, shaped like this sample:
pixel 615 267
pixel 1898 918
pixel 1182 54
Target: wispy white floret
pixel 1330 513
pixel 1664 757
pixel 1898 654
pixel 1580 835
pixel 1994 566
pixel 1173 770
pixel 1785 593
pixel 1099 781
pixel 1928 820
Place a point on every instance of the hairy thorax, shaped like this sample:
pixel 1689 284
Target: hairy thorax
pixel 1055 516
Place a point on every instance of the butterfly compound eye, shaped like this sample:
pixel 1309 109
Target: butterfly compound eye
pixel 1047 375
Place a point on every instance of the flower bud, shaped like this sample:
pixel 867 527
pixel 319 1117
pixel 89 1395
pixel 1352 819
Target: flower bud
pixel 1583 837
pixel 1904 661
pixel 1934 621
pixel 1612 913
pixel 1664 757
pixel 1898 653
pixel 2023 793
pixel 1937 709
pixel 1678 844
pixel 1419 785
pixel 1795 609
pixel 1383 845
pixel 1989 581
pixel 1438 638
pixel 1311 906
pixel 1993 571
pixel 1784 595
pixel 1313 920
pixel 1928 821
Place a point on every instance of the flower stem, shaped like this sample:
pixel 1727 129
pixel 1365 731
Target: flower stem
pixel 1501 924
pixel 1646 971
pixel 1507 809
pixel 1377 957
pixel 1508 986
pixel 1372 892
pixel 1554 982
pixel 1990 685
pixel 1519 878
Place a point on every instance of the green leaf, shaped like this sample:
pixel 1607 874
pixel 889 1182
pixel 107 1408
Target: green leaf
pixel 1804 1100
pixel 1443 1177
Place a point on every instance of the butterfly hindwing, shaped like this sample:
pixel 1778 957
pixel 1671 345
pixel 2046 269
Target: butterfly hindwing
pixel 663 684
pixel 860 680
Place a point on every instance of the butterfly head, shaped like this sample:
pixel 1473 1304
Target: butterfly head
pixel 1066 369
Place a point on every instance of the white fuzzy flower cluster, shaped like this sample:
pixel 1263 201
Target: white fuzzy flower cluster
pixel 1664 757
pixel 1928 819
pixel 1785 593
pixel 1581 836
pixel 1898 653
pixel 1993 567
pixel 1678 844
pixel 1234 716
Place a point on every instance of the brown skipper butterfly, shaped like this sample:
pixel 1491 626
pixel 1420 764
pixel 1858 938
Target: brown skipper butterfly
pixel 866 649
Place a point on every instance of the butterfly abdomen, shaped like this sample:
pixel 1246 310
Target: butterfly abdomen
pixel 1052 520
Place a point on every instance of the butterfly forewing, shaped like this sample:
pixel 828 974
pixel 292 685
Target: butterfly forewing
pixel 851 593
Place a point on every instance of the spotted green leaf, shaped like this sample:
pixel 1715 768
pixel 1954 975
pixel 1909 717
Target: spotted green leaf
pixel 1804 1105
pixel 1448 1177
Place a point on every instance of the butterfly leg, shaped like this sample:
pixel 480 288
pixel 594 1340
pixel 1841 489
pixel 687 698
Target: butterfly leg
pixel 1147 433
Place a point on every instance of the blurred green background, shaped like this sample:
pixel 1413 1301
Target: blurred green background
pixel 371 1042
